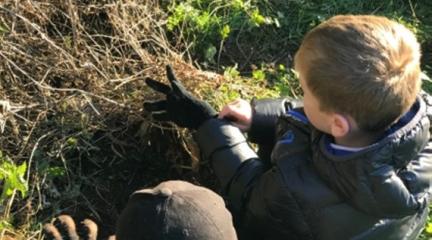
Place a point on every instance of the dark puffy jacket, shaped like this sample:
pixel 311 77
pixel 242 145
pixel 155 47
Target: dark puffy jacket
pixel 303 191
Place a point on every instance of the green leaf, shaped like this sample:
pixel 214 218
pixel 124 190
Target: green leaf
pixel 12 177
pixel 281 67
pixel 178 16
pixel 238 4
pixel 72 141
pixel 225 31
pixel 210 53
pixel 258 75
pixel 203 21
pixel 429 228
pixel 22 169
pixel 257 19
pixel 231 72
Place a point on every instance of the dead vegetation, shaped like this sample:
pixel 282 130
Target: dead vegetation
pixel 71 94
pixel 72 86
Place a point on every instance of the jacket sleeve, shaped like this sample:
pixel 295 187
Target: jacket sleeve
pixel 235 164
pixel 265 115
pixel 414 176
pixel 417 175
pixel 248 184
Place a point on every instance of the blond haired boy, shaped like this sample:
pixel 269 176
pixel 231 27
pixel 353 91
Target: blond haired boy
pixel 354 162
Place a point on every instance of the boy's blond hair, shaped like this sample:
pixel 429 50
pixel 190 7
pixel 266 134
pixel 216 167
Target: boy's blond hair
pixel 365 66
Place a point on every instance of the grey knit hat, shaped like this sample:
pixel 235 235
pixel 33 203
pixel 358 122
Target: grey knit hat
pixel 175 210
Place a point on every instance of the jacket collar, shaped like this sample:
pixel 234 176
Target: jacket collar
pixel 367 178
pixel 402 141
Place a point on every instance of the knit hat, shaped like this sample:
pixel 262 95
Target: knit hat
pixel 175 210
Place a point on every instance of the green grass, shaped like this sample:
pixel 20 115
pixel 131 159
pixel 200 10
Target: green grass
pixel 76 90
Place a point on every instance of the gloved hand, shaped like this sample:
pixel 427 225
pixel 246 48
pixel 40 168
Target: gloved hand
pixel 179 106
pixel 64 227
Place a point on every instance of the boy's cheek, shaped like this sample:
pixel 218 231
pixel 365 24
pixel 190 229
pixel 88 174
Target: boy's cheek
pixel 319 121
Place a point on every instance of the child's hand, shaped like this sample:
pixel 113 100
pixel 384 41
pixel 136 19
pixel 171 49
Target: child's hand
pixel 63 227
pixel 239 113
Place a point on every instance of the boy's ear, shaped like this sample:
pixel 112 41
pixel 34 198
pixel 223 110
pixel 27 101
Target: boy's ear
pixel 340 125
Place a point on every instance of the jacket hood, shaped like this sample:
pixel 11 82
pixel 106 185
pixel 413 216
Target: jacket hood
pixel 378 179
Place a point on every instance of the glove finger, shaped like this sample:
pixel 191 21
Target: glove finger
pixel 66 226
pixel 161 116
pixel 176 85
pixel 112 237
pixel 155 106
pixel 170 74
pixel 51 232
pixel 158 86
pixel 89 230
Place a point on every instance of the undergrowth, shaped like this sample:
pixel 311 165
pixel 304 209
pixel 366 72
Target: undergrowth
pixel 74 137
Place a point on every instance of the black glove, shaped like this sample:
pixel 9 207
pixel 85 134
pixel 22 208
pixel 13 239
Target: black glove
pixel 180 106
pixel 63 227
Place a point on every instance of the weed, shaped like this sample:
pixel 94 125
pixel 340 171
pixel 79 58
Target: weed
pixel 12 178
pixel 205 24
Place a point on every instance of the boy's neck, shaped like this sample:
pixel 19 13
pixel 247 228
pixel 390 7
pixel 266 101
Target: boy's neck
pixel 357 139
